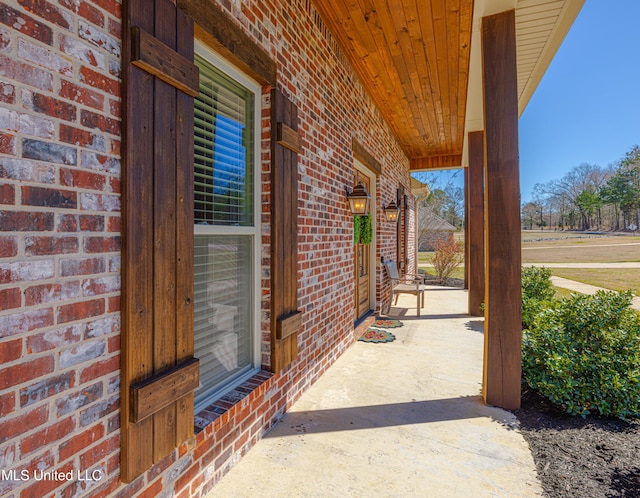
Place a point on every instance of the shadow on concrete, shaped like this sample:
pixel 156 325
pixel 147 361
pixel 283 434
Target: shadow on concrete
pixel 436 287
pixel 400 313
pixel 444 316
pixel 475 325
pixel 388 415
pixel 397 312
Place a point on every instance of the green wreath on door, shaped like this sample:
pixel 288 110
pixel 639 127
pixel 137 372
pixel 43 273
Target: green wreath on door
pixel 362 229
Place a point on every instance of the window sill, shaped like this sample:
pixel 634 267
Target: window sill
pixel 229 400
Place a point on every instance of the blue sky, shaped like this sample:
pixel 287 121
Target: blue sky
pixel 586 109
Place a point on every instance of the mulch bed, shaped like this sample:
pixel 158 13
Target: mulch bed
pixel 575 457
pixel 448 282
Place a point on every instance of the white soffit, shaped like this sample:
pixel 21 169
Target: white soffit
pixel 541 26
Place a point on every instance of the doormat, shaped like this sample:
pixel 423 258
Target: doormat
pixel 373 335
pixel 387 323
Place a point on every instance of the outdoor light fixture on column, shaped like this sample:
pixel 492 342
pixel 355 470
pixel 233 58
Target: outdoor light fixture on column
pixel 391 212
pixel 359 199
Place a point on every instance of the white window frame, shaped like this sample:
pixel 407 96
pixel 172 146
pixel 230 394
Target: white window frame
pixel 253 231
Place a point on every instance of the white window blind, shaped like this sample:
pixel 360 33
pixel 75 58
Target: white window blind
pixel 223 339
pixel 225 233
pixel 223 149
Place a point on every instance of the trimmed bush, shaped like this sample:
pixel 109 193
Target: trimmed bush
pixel 537 292
pixel 583 353
pixel 536 283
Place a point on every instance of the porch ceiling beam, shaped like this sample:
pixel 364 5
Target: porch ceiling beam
pixel 503 319
pixel 446 161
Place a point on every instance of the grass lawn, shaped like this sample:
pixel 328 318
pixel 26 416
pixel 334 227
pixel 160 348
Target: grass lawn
pixel 457 273
pixel 576 247
pixel 617 279
pixel 426 257
pixel 561 293
pixel 550 237
pixel 582 249
pixel 582 254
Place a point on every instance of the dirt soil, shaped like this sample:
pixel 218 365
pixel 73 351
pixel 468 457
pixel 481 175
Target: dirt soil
pixel 576 457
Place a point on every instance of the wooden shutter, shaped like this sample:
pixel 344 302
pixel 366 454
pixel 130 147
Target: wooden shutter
pixel 285 317
pixel 159 372
pixel 400 230
pixel 405 207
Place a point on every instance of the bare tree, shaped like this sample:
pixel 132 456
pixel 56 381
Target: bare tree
pixel 578 188
pixel 528 214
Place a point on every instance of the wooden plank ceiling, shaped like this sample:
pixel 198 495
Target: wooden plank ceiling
pixel 413 57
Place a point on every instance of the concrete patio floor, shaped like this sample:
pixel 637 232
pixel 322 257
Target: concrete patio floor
pixel 398 419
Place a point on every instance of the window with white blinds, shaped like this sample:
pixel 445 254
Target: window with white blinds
pixel 223 339
pixel 226 282
pixel 223 149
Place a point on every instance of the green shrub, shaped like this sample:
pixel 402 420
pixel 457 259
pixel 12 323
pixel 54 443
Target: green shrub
pixel 536 283
pixel 537 292
pixel 583 353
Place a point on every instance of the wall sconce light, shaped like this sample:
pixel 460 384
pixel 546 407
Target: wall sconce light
pixel 391 212
pixel 359 199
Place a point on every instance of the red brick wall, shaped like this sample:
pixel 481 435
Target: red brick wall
pixel 60 241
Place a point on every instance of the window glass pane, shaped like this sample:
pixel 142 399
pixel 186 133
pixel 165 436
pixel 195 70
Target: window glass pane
pixel 223 309
pixel 224 145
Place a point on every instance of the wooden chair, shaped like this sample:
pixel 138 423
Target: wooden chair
pixel 408 284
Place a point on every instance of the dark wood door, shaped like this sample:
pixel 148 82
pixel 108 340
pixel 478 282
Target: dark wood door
pixel 362 263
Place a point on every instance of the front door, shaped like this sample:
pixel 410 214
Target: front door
pixel 362 262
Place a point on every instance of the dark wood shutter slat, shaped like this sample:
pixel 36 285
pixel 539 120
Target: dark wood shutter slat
pixel 137 276
pixel 184 239
pixel 285 317
pixel 288 137
pixel 163 390
pixel 402 264
pixel 157 306
pixel 158 59
pixel 164 345
pixel 405 203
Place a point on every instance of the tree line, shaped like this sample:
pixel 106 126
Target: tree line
pixel 589 197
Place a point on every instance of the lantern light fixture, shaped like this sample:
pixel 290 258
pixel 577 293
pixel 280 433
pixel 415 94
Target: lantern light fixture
pixel 359 199
pixel 391 212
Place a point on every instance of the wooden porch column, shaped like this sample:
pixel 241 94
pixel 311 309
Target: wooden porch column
pixel 475 231
pixel 503 325
pixel 466 228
